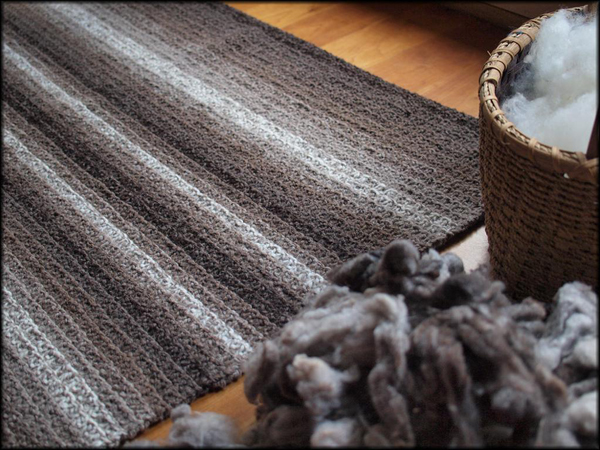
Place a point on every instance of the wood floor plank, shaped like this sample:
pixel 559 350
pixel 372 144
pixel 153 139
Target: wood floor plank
pixel 282 15
pixel 379 42
pixel 334 23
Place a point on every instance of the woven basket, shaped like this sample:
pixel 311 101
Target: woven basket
pixel 540 202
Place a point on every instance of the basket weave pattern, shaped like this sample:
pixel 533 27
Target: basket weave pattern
pixel 542 225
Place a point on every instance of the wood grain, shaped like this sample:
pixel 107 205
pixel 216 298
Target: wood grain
pixel 423 47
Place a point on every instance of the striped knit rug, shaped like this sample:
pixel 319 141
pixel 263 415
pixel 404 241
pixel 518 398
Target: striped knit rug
pixel 177 179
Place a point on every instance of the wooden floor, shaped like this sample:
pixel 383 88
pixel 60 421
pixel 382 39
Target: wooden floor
pixel 423 47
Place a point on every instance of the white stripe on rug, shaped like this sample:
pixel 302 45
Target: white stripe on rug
pixel 263 129
pixel 123 244
pixel 311 279
pixel 53 370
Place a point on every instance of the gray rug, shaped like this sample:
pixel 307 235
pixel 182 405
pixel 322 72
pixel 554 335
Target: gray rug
pixel 177 179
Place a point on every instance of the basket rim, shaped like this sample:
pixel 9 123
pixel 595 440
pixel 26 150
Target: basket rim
pixel 573 165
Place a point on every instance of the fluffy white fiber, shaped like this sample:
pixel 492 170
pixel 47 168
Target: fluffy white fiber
pixel 555 97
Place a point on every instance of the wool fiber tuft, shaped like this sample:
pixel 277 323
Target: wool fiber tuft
pixel 554 98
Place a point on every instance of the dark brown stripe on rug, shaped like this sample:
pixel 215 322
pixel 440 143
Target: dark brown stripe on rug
pixel 177 179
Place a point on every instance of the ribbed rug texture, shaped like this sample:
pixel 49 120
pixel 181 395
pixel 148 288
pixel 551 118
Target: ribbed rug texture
pixel 177 179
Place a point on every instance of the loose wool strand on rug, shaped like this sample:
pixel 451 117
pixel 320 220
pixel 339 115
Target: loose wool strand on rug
pixel 177 179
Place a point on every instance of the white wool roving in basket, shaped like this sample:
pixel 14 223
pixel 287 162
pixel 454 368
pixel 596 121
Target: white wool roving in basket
pixel 555 96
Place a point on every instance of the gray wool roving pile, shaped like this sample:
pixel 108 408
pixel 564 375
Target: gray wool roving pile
pixel 408 350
